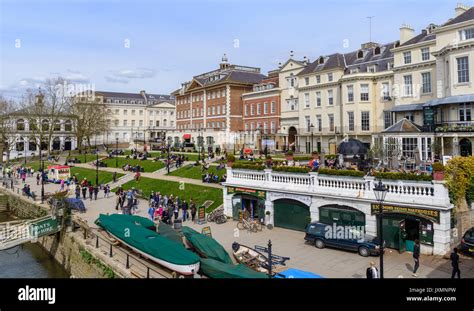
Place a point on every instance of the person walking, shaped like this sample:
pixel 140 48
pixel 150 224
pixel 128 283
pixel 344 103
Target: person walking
pixel 185 210
pixel 37 179
pixel 91 191
pixel 114 176
pixel 118 200
pixel 455 263
pixel 84 191
pixel 416 257
pixel 193 212
pixel 372 271
pixel 176 212
pixel 106 191
pixel 96 192
pixel 78 192
pixel 62 184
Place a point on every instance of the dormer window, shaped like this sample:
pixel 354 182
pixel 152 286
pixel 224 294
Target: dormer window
pixel 377 50
pixel 360 54
pixel 321 60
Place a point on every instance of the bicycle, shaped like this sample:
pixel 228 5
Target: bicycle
pixel 246 224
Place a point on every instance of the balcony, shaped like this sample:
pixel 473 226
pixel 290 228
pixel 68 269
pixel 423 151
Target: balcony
pixel 342 187
pixel 454 126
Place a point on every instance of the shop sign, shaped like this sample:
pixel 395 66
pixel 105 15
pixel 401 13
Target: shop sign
pixel 206 231
pixel 201 215
pixel 258 193
pixel 44 227
pixel 302 198
pixel 430 214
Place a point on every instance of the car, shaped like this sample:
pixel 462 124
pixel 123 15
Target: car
pixel 321 235
pixel 467 242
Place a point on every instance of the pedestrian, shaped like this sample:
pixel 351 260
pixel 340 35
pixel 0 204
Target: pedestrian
pixel 151 212
pixel 372 271
pixel 37 179
pixel 185 210
pixel 416 257
pixel 91 191
pixel 84 191
pixel 61 182
pixel 176 212
pixel 455 263
pixel 78 192
pixel 122 199
pixel 193 212
pixel 114 176
pixel 96 192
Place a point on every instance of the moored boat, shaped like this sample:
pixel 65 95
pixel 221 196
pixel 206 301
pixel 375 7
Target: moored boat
pixel 250 257
pixel 137 233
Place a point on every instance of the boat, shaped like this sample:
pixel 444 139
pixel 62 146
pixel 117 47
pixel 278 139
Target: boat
pixel 168 232
pixel 292 273
pixel 206 246
pixel 250 257
pixel 140 235
pixel 218 270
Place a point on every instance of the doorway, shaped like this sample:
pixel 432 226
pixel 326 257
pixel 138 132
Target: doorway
pixel 292 138
pixel 465 147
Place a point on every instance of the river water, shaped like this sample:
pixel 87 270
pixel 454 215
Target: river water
pixel 28 261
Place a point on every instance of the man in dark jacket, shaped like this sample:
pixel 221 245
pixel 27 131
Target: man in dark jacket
pixel 372 271
pixel 416 256
pixel 84 191
pixel 455 263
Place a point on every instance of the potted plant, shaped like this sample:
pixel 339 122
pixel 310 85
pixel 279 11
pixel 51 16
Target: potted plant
pixel 438 171
pixel 230 160
pixel 289 155
pixel 267 220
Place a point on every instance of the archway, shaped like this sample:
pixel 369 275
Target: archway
pixel 341 215
pixel 292 132
pixel 465 147
pixel 291 214
pixel 56 143
pixel 67 143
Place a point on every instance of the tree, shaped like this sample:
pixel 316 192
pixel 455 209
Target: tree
pixel 6 107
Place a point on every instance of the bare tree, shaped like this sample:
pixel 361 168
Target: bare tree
pixel 6 125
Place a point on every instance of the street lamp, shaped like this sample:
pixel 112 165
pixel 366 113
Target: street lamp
pixel 311 127
pixel 96 163
pixel 116 151
pixel 168 164
pixel 199 144
pixel 42 174
pixel 380 192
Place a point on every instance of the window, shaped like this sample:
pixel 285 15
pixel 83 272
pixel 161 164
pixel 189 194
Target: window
pixel 68 125
pixel 213 110
pixel 465 112
pixel 158 123
pixel 273 127
pixel 371 69
pixel 318 79
pixel 407 85
pixel 308 123
pixel 387 119
pixel 466 34
pixel 218 109
pixel 365 120
pixel 292 104
pixel 150 123
pixel 117 111
pixel 350 93
pixel 350 118
pixel 133 122
pixel 125 112
pixel 330 98
pixel 425 54
pixel 364 92
pixel 463 69
pixel 319 122
pixel 140 123
pixel 20 125
pixel 125 122
pixel 409 145
pixel 246 127
pixel 360 54
pixel 306 100
pixel 407 57
pixel 331 122
pixel 410 117
pixel 116 122
pixel 273 107
pixel 57 125
pixel 252 112
pixel 426 149
pixel 133 112
pixel 265 108
pixel 265 127
pixel 426 82
pixel 330 77
pixel 259 110
pixel 318 99
pixel 292 82
pixel 386 91
pixel 246 110
pixel 306 80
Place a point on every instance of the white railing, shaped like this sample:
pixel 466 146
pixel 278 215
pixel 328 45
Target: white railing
pixel 413 192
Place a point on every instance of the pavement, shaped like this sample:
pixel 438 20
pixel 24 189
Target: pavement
pixel 329 263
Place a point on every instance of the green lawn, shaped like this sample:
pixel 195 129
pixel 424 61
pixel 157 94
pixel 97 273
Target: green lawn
pixel 199 194
pixel 195 172
pixel 148 165
pixel 37 164
pixel 81 173
pixel 89 157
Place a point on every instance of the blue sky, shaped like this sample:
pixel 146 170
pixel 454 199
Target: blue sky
pixel 172 40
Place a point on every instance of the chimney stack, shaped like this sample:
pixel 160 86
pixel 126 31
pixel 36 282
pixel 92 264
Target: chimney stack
pixel 461 8
pixel 406 33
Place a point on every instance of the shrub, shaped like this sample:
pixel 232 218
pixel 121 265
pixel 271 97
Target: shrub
pixel 459 172
pixel 330 156
pixel 352 173
pixel 289 153
pixel 470 192
pixel 303 158
pixel 403 176
pixel 248 166
pixel 292 169
pixel 230 158
pixel 438 167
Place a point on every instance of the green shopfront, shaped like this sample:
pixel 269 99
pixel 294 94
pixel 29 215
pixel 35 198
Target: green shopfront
pixel 248 200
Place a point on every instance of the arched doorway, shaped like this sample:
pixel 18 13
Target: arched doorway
pixel 465 147
pixel 67 143
pixel 292 132
pixel 341 215
pixel 291 214
pixel 56 143
pixel 252 205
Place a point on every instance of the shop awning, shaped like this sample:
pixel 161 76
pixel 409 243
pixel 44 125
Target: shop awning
pixel 409 107
pixel 187 136
pixel 458 99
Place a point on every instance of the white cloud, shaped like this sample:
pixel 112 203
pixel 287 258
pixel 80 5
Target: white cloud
pixel 140 73
pixel 116 80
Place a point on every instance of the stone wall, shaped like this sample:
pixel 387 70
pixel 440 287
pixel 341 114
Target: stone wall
pixel 22 207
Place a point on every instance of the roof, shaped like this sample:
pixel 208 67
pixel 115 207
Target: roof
pixel 330 62
pixel 134 95
pixel 422 37
pixel 403 126
pixel 464 17
pixel 451 100
pixel 409 107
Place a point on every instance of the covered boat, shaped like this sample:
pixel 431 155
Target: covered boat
pixel 138 233
pixel 168 232
pixel 206 246
pixel 219 270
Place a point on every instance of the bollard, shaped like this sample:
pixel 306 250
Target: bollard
pixel 110 253
pixel 127 265
pixel 96 241
pixel 147 272
pixel 85 234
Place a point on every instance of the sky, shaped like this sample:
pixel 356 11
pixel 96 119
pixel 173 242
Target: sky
pixel 133 45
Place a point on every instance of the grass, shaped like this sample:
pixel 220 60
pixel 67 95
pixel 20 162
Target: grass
pixel 89 157
pixel 148 165
pixel 104 177
pixel 199 194
pixel 195 172
pixel 37 164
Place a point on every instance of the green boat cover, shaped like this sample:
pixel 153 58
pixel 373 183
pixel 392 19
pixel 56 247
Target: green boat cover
pixel 219 270
pixel 168 232
pixel 130 230
pixel 207 246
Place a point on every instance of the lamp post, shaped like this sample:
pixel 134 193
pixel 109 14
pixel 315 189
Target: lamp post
pixel 168 162
pixel 380 192
pixel 96 163
pixel 116 151
pixel 199 144
pixel 42 174
pixel 311 127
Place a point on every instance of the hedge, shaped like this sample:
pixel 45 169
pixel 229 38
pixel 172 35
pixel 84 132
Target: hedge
pixel 353 173
pixel 291 169
pixel 250 166
pixel 302 158
pixel 403 176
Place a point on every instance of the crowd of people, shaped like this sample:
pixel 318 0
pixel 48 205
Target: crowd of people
pixel 169 208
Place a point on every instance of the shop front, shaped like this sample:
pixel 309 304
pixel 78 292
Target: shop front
pixel 403 225
pixel 249 201
pixel 341 215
